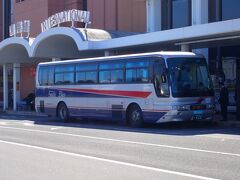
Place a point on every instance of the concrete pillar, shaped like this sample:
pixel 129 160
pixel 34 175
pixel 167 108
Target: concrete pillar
pixel 185 47
pixel 5 87
pixel 153 15
pixel 16 85
pixel 199 12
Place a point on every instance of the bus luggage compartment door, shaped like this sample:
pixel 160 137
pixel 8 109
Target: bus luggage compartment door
pixel 117 111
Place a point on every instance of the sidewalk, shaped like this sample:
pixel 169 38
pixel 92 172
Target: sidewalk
pixel 24 113
pixel 232 121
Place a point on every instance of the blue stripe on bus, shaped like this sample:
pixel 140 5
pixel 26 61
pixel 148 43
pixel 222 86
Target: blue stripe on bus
pixel 48 92
pixel 148 116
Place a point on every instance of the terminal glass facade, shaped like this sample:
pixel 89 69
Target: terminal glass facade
pixel 175 13
pixel 180 13
pixel 221 10
pixel 230 9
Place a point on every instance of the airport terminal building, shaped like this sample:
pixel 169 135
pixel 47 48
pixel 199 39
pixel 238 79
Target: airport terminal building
pixel 49 30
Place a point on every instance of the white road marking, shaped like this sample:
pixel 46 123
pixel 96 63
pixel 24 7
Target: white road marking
pixel 56 128
pixel 125 141
pixel 3 123
pixel 109 161
pixel 28 124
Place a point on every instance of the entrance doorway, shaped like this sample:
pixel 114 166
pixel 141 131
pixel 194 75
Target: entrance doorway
pixel 223 63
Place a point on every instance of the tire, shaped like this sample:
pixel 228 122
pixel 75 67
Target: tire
pixel 135 117
pixel 63 113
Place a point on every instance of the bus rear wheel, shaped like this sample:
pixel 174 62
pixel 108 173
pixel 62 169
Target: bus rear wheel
pixel 135 117
pixel 63 113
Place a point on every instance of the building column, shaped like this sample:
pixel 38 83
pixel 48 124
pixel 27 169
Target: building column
pixel 153 15
pixel 5 87
pixel 16 85
pixel 185 47
pixel 199 12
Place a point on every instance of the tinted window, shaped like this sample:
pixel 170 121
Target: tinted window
pixel 86 67
pixel 64 68
pixel 137 71
pixel 116 76
pixel 131 75
pixel 104 66
pixel 46 75
pixel 64 74
pixel 51 75
pixel 86 77
pixel 59 78
pixel 111 72
pixel 105 76
pixel 137 75
pixel 86 73
pixel 189 77
pixel 43 76
pixel 137 64
pixel 142 75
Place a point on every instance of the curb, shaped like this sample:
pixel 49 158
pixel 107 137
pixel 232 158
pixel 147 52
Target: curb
pixel 230 124
pixel 24 113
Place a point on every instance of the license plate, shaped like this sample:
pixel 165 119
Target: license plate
pixel 197 117
pixel 198 112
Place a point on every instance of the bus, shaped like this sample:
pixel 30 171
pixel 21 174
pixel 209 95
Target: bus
pixel 135 89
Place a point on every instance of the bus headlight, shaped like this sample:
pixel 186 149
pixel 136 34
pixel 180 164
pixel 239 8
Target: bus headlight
pixel 181 107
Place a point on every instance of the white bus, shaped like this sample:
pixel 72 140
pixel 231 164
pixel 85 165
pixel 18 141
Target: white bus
pixel 136 89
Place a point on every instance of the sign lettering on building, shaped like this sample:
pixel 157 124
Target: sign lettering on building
pixel 19 28
pixel 73 15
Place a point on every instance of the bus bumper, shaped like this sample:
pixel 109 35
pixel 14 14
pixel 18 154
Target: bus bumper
pixel 174 116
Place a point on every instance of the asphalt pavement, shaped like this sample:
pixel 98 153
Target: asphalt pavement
pixel 42 148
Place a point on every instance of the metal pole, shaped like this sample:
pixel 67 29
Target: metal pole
pixel 6 17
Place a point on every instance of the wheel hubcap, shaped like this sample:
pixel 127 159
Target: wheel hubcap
pixel 62 113
pixel 135 116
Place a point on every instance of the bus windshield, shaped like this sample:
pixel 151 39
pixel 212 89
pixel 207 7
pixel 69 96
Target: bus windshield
pixel 189 77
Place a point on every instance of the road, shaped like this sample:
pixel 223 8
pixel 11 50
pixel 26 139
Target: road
pixel 41 148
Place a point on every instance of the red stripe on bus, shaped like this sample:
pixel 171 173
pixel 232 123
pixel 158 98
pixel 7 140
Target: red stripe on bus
pixel 138 94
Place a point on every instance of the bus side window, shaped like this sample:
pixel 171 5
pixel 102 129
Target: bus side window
pixel 160 80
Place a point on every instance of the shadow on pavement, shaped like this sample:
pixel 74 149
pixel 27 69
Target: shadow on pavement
pixel 186 128
pixel 175 128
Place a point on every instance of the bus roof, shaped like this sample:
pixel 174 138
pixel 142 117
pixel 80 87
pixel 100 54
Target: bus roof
pixel 164 54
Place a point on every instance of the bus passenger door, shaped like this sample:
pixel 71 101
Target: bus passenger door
pixel 161 102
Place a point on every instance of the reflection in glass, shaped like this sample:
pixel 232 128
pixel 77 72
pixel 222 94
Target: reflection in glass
pixel 180 13
pixel 230 9
pixel 189 77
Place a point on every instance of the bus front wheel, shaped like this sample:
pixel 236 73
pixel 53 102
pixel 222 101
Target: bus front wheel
pixel 135 117
pixel 62 112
